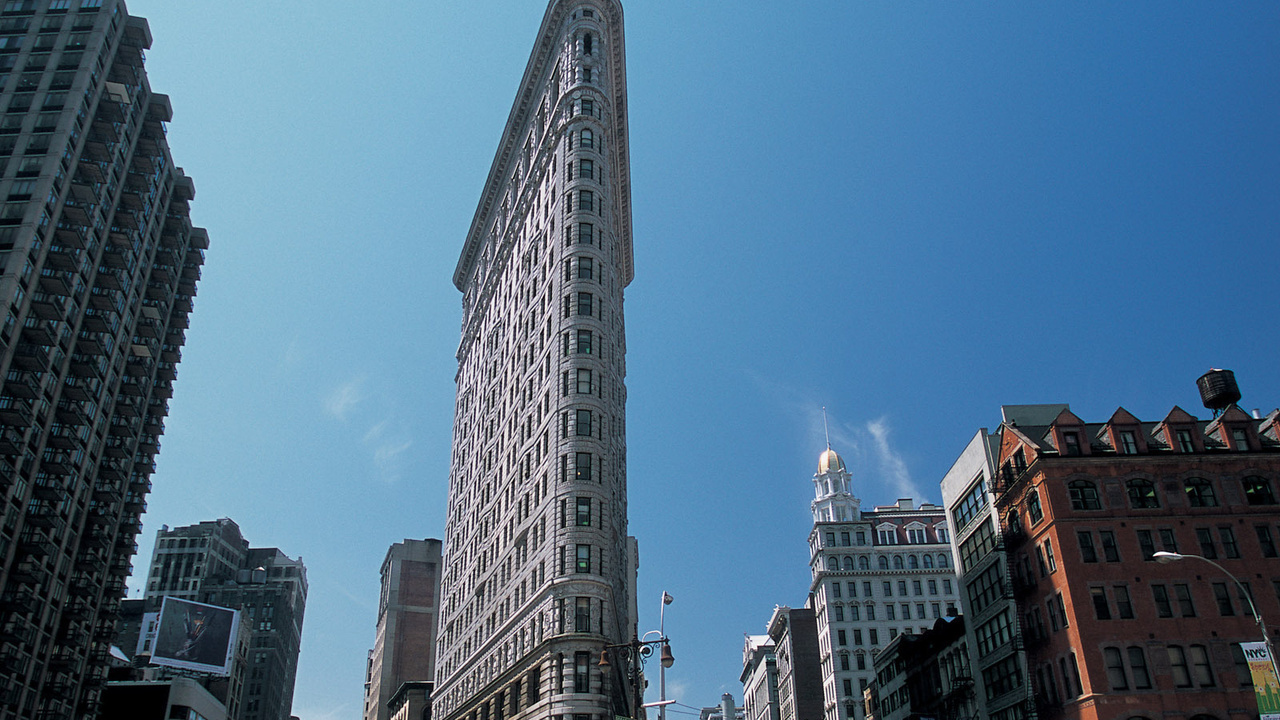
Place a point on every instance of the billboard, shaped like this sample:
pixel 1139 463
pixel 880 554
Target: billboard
pixel 1265 683
pixel 195 636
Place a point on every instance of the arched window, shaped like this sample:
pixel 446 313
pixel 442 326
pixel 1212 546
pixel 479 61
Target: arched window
pixel 1084 495
pixel 1257 491
pixel 833 564
pixel 1034 511
pixel 864 563
pixel 587 138
pixel 1142 494
pixel 913 563
pixel 942 561
pixel 884 563
pixel 897 562
pixel 928 562
pixel 1200 493
pixel 848 563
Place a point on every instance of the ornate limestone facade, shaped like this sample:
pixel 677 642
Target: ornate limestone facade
pixel 539 571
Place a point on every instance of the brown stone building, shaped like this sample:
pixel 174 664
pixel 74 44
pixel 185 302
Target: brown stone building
pixel 404 648
pixel 1111 633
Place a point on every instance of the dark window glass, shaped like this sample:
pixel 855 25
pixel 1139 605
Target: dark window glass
pixel 1087 552
pixel 1101 609
pixel 1200 493
pixel 1033 507
pixel 1084 495
pixel 1110 552
pixel 1138 664
pixel 1115 668
pixel 1257 491
pixel 1142 494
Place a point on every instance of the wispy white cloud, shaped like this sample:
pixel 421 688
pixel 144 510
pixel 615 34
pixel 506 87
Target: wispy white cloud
pixel 344 398
pixel 892 467
pixel 388 443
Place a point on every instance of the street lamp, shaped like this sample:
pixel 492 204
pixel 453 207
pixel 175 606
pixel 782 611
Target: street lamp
pixel 634 655
pixel 637 652
pixel 1164 557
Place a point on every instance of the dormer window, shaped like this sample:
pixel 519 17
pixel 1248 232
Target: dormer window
pixel 1128 443
pixel 1071 442
pixel 1184 441
pixel 1240 439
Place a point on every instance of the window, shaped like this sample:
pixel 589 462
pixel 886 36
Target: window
pixel 586 138
pixel 1138 664
pixel 1201 671
pixel 586 266
pixel 1101 608
pixel 1257 491
pixel 1184 441
pixel 1048 554
pixel 1265 540
pixel 917 587
pixel 888 536
pixel 582 423
pixel 916 536
pixel 862 659
pixel 902 588
pixel 1160 594
pixel 582 467
pixel 585 303
pixel 1084 495
pixel 584 512
pixel 864 563
pixel 586 202
pixel 888 588
pixel 933 587
pixel 848 687
pixel 1142 494
pixel 584 342
pixel 839 611
pixel 1185 606
pixel 1033 507
pixel 913 562
pixel 583 381
pixel 853 615
pixel 897 562
pixel 840 637
pixel 871 615
pixel 860 537
pixel 928 562
pixel 1087 552
pixel 582 672
pixel 582 615
pixel 1072 441
pixel 1244 678
pixel 586 74
pixel 1223 596
pixel 1115 668
pixel 1200 493
pixel 883 562
pixel 1124 606
pixel 1147 543
pixel 586 168
pixel 1168 542
pixel 1110 552
pixel 844 539
pixel 1178 666
pixel 1205 537
pixel 1240 439
pixel 586 44
pixel 586 232
pixel 973 501
pixel 844 661
pixel 1128 443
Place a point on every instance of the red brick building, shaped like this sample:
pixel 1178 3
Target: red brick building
pixel 1110 633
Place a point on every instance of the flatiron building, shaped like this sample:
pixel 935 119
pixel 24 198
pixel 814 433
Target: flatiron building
pixel 98 268
pixel 539 572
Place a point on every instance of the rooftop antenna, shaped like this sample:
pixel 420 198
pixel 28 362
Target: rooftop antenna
pixel 825 429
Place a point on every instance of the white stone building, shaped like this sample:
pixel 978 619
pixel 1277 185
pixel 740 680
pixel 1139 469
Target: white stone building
pixel 539 572
pixel 876 574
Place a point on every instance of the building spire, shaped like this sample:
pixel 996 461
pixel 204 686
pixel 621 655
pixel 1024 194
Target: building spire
pixel 825 429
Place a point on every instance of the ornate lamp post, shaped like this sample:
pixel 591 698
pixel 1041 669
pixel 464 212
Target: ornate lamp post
pixel 635 653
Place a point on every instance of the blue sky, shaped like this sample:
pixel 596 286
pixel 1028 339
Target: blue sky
pixel 908 212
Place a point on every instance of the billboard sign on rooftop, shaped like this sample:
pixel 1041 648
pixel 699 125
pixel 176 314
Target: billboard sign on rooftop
pixel 195 636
